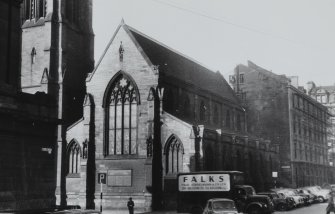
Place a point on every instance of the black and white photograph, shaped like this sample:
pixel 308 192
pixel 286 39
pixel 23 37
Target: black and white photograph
pixel 167 106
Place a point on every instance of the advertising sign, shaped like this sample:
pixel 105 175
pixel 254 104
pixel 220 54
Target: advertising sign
pixel 204 182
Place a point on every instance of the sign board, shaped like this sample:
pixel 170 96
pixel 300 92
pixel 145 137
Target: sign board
pixel 204 182
pixel 275 174
pixel 119 178
pixel 285 167
pixel 102 178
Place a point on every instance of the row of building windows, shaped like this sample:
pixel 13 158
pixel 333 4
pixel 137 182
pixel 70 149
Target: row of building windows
pixel 309 133
pixel 315 155
pixel 221 116
pixel 308 107
pixel 325 98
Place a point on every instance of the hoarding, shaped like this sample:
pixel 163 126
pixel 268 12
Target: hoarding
pixel 204 182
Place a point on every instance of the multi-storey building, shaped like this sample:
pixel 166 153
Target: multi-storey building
pixel 151 112
pixel 57 55
pixel 280 110
pixel 326 96
pixel 28 128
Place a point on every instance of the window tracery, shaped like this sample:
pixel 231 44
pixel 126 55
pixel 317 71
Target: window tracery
pixel 174 151
pixel 74 158
pixel 121 117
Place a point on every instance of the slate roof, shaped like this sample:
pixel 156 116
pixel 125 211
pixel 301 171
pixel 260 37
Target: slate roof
pixel 175 64
pixel 329 89
pixel 172 63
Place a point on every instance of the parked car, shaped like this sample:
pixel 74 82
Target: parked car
pixel 306 197
pixel 220 205
pixel 281 203
pixel 313 197
pixel 321 194
pixel 298 200
pixel 248 201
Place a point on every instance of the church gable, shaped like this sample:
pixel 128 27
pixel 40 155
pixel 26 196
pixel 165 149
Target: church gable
pixel 122 54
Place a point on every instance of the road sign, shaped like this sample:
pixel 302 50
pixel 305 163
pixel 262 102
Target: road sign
pixel 102 178
pixel 275 174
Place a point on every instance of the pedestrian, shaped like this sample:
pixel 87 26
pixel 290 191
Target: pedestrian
pixel 331 202
pixel 130 206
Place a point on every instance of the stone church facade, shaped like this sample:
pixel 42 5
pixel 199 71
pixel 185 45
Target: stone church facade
pixel 149 113
pixel 28 128
pixel 57 54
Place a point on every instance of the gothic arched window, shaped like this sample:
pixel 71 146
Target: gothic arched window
pixel 209 159
pixel 168 101
pixel 73 155
pixel 202 111
pixel 228 119
pixel 216 115
pixel 174 151
pixel 120 105
pixel 34 9
pixel 187 107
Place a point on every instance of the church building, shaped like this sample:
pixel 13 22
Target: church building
pixel 151 112
pixel 57 54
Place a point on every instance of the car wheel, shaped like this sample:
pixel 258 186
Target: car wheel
pixel 254 210
pixel 321 199
pixel 281 207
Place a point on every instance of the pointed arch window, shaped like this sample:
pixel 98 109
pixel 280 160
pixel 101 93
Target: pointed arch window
pixel 121 117
pixel 202 111
pixel 228 119
pixel 34 9
pixel 209 158
pixel 73 156
pixel 168 101
pixel 174 152
pixel 216 115
pixel 187 107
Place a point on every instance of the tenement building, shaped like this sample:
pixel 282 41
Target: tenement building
pixel 57 54
pixel 149 113
pixel 326 96
pixel 280 110
pixel 28 129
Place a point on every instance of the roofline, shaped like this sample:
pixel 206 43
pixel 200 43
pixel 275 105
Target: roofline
pixel 169 48
pixel 75 123
pixel 126 28
pixel 90 75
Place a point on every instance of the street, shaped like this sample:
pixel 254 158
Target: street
pixel 313 209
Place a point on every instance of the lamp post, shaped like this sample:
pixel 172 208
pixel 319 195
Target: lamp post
pixel 157 168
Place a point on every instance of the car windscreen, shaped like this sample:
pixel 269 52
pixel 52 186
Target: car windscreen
pixel 250 191
pixel 223 205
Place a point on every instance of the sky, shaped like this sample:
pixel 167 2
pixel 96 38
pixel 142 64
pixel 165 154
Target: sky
pixel 295 38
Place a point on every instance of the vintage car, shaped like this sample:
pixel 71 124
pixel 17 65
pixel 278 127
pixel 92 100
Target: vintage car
pixel 321 194
pixel 280 202
pixel 298 200
pixel 220 205
pixel 313 198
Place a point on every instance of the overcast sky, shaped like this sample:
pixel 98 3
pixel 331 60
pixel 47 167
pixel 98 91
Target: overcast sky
pixel 291 37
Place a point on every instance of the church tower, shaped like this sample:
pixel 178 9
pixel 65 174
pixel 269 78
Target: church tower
pixel 57 54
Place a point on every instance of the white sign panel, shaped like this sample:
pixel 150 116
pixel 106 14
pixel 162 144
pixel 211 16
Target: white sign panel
pixel 275 174
pixel 204 182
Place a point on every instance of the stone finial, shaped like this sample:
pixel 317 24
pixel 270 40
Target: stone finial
pixel 121 51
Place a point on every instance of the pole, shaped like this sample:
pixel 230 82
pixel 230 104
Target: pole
pixel 100 196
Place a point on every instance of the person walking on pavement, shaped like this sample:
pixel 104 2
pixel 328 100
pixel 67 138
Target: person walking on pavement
pixel 130 206
pixel 331 202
